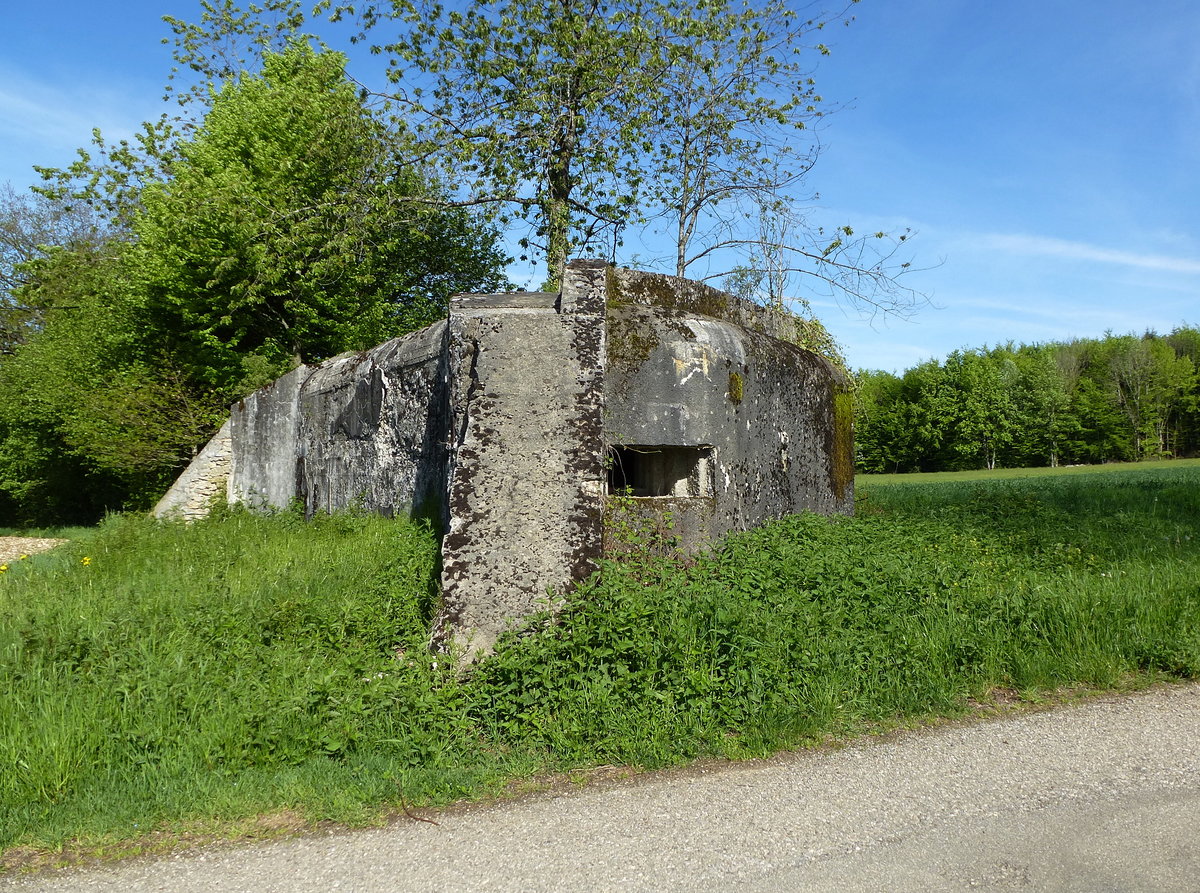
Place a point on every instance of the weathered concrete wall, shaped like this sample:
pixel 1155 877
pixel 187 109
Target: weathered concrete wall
pixel 265 428
pixel 771 413
pixel 364 428
pixel 526 476
pixel 675 295
pixel 661 525
pixel 372 429
pixel 204 480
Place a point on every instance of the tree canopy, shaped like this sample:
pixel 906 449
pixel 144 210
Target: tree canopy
pixel 291 206
pixel 32 227
pixel 285 227
pixel 587 119
pixel 1091 400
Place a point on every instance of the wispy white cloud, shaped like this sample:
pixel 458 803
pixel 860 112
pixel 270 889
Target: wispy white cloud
pixel 1045 312
pixel 42 122
pixel 37 115
pixel 1045 246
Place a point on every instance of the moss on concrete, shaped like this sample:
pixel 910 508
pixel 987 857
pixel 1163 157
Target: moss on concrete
pixel 667 292
pixel 735 387
pixel 631 340
pixel 613 297
pixel 841 458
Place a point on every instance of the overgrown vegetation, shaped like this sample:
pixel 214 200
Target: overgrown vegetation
pixel 164 677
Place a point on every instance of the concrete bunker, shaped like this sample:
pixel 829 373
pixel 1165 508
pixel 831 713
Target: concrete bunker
pixel 522 420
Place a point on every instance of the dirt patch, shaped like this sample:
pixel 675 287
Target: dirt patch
pixel 14 548
pixel 285 821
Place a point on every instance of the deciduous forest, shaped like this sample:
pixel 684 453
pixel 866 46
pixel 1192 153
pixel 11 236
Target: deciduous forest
pixel 1117 398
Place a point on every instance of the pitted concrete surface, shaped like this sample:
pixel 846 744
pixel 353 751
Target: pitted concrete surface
pixel 1103 796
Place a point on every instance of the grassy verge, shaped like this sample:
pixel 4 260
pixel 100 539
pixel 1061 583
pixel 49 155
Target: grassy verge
pixel 185 679
pixel 996 474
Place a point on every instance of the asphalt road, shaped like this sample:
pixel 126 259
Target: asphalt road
pixel 1103 796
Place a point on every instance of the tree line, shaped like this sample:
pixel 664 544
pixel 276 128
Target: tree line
pixel 1089 400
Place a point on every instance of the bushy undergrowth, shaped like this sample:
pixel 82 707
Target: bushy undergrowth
pixel 244 665
pixel 810 625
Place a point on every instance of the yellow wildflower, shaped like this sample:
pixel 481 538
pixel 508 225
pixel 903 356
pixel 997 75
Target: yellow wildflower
pixel 87 560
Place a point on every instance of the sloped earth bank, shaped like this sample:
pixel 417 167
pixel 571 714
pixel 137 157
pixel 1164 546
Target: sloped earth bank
pixel 1101 794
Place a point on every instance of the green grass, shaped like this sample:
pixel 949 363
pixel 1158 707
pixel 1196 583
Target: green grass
pixel 983 474
pixel 189 677
pixel 158 671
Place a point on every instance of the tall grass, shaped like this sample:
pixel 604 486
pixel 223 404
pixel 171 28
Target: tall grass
pixel 163 670
pixel 190 675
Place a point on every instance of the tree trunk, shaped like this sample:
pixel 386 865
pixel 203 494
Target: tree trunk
pixel 557 206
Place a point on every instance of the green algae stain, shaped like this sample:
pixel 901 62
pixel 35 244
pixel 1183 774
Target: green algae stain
pixel 841 458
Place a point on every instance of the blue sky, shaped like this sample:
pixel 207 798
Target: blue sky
pixel 1044 152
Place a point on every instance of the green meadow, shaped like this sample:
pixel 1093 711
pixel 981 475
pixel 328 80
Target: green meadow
pixel 161 681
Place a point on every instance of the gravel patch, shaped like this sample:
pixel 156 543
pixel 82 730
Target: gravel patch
pixel 13 548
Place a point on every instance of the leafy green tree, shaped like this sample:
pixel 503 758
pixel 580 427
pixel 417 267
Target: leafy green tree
pixel 108 178
pixel 1185 341
pixel 931 416
pixel 1042 403
pixel 583 118
pixel 1117 398
pixel 285 229
pixel 877 432
pixel 1149 381
pixel 31 227
pixel 984 415
pixel 542 108
pixel 1104 432
pixel 89 418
